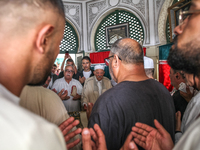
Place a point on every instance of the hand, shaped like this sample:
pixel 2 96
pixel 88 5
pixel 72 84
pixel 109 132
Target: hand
pixel 65 127
pixel 82 80
pixel 47 82
pixel 129 144
pixel 150 138
pixel 98 137
pixel 54 90
pixel 67 56
pixel 84 107
pixel 89 110
pixel 187 96
pixel 63 94
pixel 77 97
pixel 178 121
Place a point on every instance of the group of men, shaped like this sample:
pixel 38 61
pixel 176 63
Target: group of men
pixel 135 98
pixel 77 89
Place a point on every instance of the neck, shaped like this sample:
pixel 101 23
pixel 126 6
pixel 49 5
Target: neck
pixel 131 73
pixel 87 70
pixel 68 80
pixel 14 75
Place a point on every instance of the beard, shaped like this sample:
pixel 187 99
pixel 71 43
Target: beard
pixel 43 69
pixel 186 58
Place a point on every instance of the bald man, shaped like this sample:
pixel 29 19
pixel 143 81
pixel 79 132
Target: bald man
pixel 136 98
pixel 30 35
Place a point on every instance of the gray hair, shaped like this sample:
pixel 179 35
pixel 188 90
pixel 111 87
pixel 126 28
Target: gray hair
pixel 129 53
pixel 71 66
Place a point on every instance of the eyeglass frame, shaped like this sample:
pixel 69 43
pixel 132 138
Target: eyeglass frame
pixel 187 12
pixel 70 71
pixel 108 58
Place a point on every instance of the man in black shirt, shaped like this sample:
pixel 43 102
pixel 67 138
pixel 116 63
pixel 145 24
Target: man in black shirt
pixel 135 98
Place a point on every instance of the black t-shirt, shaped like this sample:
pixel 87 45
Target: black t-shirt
pixel 118 109
pixel 180 103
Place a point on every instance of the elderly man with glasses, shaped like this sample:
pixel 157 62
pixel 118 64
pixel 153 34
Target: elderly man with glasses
pixel 135 98
pixel 69 89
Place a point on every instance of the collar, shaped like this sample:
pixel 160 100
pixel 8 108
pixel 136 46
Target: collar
pixel 97 80
pixel 8 95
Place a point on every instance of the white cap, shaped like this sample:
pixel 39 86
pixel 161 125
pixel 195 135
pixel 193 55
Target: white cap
pixel 148 63
pixel 99 67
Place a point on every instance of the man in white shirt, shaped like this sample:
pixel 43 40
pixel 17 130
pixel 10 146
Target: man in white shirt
pixel 95 86
pixel 31 42
pixel 65 85
pixel 86 72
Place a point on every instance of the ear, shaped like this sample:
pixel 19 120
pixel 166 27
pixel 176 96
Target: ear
pixel 43 37
pixel 94 72
pixel 116 61
pixel 177 75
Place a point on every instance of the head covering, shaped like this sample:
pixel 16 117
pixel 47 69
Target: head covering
pixel 148 63
pixel 99 67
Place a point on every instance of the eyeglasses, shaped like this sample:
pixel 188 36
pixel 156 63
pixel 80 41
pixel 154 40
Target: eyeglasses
pixel 107 60
pixel 184 14
pixel 70 71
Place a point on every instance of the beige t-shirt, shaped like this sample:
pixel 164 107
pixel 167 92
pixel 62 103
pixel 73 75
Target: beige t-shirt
pixel 46 104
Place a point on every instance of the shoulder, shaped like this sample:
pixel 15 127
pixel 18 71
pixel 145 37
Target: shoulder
pixel 35 129
pixel 90 79
pixel 106 79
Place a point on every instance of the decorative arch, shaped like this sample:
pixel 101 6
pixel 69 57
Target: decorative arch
pixel 163 28
pixel 70 41
pixel 136 30
pixel 136 13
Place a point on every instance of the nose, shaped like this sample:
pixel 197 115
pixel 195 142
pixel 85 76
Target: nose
pixel 180 28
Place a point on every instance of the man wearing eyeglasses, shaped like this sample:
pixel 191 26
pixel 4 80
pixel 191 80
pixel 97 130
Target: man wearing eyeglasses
pixel 184 55
pixel 64 88
pixel 135 98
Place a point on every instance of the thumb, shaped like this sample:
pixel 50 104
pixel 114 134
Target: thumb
pixel 188 89
pixel 179 115
pixel 159 127
pixel 132 145
pixel 86 139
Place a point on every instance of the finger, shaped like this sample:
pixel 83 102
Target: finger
pixel 126 143
pixel 65 123
pixel 93 134
pixel 132 146
pixel 140 131
pixel 72 134
pixel 144 127
pixel 140 143
pixel 72 144
pixel 160 128
pixel 86 139
pixel 138 136
pixel 70 126
pixel 101 137
pixel 179 115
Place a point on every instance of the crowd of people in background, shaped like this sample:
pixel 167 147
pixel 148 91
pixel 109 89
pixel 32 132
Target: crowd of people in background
pixel 137 112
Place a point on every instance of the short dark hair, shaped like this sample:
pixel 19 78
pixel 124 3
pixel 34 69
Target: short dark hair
pixel 86 58
pixel 70 60
pixel 58 4
pixel 54 65
pixel 131 52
